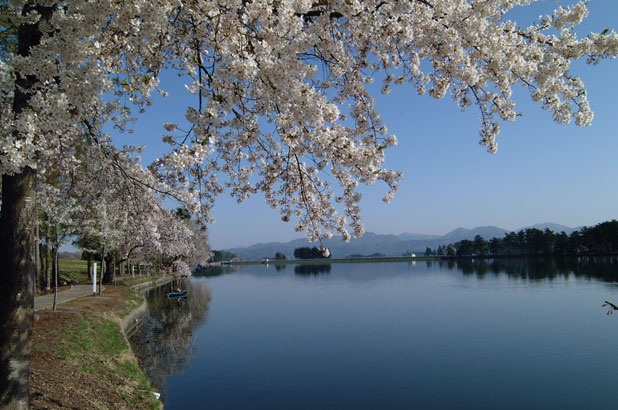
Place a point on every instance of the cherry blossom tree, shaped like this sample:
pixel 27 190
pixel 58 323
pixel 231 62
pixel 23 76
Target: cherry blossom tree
pixel 282 102
pixel 55 209
pixel 120 212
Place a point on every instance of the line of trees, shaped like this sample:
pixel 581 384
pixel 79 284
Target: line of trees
pixel 306 252
pixel 113 220
pixel 221 256
pixel 602 239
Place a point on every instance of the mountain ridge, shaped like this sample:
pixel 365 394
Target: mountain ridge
pixel 384 244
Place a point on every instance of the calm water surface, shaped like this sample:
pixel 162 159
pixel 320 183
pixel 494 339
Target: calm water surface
pixel 507 335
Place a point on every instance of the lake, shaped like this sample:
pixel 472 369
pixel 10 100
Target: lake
pixel 501 334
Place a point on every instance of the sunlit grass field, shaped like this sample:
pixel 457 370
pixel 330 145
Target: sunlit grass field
pixel 76 270
pixel 73 270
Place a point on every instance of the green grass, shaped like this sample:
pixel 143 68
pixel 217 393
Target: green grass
pixel 92 335
pixel 132 302
pixel 72 270
pixel 73 265
pixel 128 281
pixel 88 341
pixel 99 348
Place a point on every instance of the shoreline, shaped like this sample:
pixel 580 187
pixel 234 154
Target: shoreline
pixel 132 321
pixel 81 356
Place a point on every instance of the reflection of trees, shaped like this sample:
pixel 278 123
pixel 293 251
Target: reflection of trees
pixel 280 266
pixel 212 271
pixel 603 268
pixel 312 269
pixel 163 342
pixel 445 264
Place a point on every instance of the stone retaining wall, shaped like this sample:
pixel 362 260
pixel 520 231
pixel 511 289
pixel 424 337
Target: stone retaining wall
pixel 133 320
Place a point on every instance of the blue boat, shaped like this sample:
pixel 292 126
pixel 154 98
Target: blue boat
pixel 177 294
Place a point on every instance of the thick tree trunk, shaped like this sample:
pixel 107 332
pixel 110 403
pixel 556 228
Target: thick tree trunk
pixel 17 275
pixel 108 272
pixel 17 264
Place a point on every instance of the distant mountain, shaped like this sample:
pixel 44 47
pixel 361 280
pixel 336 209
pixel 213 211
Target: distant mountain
pixel 388 245
pixel 556 228
pixel 487 232
pixel 414 236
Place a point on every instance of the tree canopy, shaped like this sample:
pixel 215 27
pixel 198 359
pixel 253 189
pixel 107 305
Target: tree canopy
pixel 306 252
pixel 281 88
pixel 601 239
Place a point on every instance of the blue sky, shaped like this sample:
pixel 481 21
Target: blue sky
pixel 542 172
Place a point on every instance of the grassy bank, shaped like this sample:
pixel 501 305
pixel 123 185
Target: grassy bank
pixel 81 359
pixel 72 270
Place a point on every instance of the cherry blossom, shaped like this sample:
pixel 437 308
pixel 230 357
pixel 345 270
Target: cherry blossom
pixel 281 88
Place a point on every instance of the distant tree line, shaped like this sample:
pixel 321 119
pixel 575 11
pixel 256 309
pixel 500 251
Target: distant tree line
pixel 602 239
pixel 220 256
pixel 280 256
pixel 306 252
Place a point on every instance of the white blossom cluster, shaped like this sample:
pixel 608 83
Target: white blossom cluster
pixel 102 196
pixel 281 88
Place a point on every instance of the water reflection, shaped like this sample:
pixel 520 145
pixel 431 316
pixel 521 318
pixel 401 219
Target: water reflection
pixel 163 343
pixel 379 336
pixel 279 267
pixel 312 269
pixel 214 271
pixel 540 268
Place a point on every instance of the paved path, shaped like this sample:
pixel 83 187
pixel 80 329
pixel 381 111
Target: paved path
pixel 76 291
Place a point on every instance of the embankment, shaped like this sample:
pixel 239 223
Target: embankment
pixel 133 319
pixel 81 357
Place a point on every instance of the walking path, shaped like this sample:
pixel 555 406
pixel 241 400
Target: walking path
pixel 79 290
pixel 76 291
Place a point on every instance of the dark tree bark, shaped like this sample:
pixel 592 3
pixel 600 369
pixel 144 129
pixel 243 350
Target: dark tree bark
pixel 103 267
pixel 17 275
pixel 108 274
pixel 47 256
pixel 17 253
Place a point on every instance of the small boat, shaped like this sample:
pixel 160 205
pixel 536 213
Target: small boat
pixel 176 294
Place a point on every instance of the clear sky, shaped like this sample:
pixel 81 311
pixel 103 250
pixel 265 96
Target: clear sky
pixel 542 172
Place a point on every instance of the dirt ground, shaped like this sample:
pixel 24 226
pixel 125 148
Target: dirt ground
pixel 90 381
